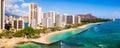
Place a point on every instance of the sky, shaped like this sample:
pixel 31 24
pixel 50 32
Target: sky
pixel 99 8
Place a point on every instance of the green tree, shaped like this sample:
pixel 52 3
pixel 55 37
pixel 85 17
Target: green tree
pixel 76 25
pixel 68 26
pixel 44 30
pixel 53 29
pixel 6 34
pixel 28 32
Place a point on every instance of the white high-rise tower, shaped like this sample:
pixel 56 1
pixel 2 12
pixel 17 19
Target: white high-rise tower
pixel 2 13
pixel 39 16
pixel 51 19
pixel 33 14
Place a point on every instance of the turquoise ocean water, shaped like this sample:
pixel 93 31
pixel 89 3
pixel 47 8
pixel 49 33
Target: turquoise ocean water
pixel 106 35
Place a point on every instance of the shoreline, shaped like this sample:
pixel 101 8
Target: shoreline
pixel 9 43
pixel 45 39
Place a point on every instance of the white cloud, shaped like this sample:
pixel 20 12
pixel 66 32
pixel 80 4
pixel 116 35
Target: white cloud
pixel 13 1
pixel 12 8
pixel 16 6
pixel 25 5
pixel 40 9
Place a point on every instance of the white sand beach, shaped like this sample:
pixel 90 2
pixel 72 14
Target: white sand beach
pixel 45 39
pixel 10 43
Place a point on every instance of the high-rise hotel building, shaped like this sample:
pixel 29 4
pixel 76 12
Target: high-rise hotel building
pixel 2 14
pixel 33 15
pixel 48 19
pixel 40 16
pixel 51 18
pixel 73 19
pixel 64 20
pixel 58 19
pixel 18 23
pixel 77 19
pixel 70 19
pixel 44 19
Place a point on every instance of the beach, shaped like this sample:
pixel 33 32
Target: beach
pixel 9 43
pixel 45 39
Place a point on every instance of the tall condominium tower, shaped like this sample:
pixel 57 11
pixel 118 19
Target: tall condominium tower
pixel 58 20
pixel 51 19
pixel 64 20
pixel 18 23
pixel 2 14
pixel 33 15
pixel 39 16
pixel 77 19
pixel 70 19
pixel 44 19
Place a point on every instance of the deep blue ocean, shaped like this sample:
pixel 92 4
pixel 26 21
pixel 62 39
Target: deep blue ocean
pixel 106 35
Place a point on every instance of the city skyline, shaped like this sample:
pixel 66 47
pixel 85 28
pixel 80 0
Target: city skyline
pixel 101 8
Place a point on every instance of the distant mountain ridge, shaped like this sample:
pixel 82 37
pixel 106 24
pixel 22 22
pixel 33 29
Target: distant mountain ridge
pixel 87 16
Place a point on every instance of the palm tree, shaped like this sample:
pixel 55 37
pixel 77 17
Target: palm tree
pixel 6 34
pixel 45 30
pixel 68 26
